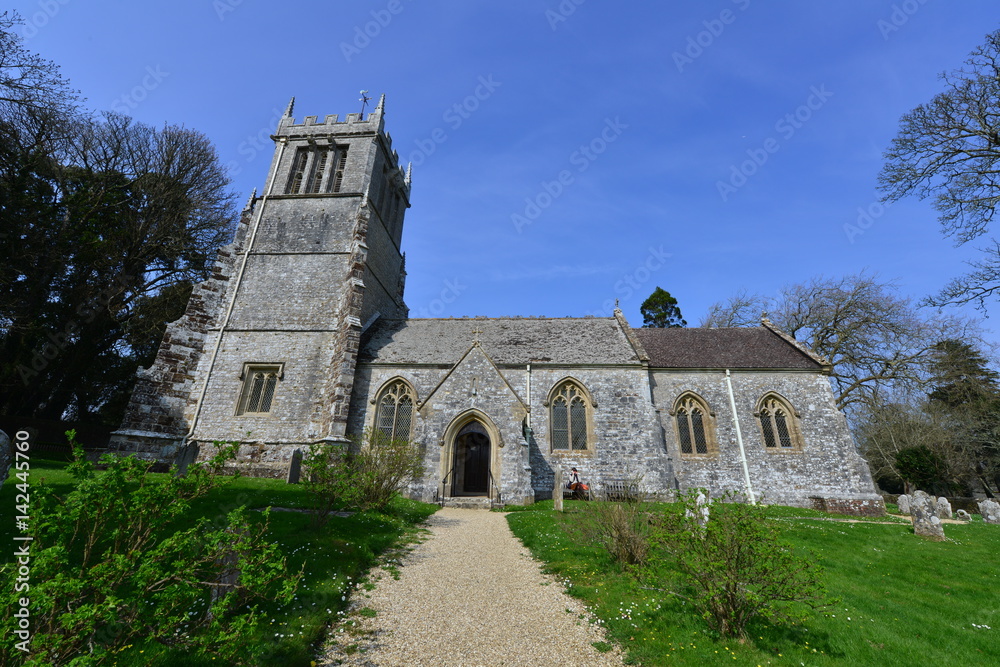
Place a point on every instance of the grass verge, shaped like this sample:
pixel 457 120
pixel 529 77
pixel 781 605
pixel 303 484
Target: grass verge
pixel 334 559
pixel 903 600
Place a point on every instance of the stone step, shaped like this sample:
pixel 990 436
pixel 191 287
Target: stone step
pixel 467 502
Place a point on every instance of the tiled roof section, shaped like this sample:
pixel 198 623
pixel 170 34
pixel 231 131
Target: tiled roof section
pixel 507 340
pixel 751 347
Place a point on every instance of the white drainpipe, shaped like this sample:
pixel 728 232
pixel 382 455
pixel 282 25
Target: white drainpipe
pixel 739 439
pixel 528 417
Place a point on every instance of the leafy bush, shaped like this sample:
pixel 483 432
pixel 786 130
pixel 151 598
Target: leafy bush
pixel 117 561
pixel 365 477
pixel 620 528
pixel 734 569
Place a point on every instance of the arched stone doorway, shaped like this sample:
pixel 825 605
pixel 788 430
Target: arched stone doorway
pixel 471 462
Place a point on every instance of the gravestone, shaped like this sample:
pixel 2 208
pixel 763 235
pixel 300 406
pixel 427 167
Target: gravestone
pixel 6 456
pixel 903 502
pixel 925 520
pixel 294 467
pixel 186 455
pixel 557 490
pixel 962 515
pixel 943 508
pixel 228 563
pixel 990 511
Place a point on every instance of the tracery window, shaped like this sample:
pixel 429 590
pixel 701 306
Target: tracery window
pixel 259 384
pixel 694 426
pixel 777 425
pixel 394 413
pixel 568 407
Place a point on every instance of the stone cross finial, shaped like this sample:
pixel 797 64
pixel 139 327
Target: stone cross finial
pixel 475 333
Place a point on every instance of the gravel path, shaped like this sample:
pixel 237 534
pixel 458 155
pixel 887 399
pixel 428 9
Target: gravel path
pixel 469 595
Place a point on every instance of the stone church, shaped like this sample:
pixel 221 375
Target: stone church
pixel 301 335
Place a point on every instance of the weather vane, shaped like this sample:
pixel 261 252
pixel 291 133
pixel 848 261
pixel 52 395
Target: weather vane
pixel 364 101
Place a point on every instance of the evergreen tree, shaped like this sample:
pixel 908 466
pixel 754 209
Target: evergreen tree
pixel 967 392
pixel 660 310
pixel 105 224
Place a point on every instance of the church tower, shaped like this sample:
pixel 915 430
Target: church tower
pixel 267 348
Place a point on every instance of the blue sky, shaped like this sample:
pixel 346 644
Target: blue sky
pixel 569 153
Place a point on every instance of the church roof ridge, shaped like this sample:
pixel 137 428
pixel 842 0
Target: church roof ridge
pixel 508 340
pixel 725 347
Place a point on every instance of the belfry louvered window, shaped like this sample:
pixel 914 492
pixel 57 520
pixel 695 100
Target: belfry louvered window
pixel 337 181
pixel 694 426
pixel 260 381
pixel 569 418
pixel 318 169
pixel 394 414
pixel 777 425
pixel 311 169
pixel 298 172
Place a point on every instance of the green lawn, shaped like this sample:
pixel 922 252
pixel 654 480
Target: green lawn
pixel 903 600
pixel 336 559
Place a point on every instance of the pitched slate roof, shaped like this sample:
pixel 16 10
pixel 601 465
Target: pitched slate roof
pixel 508 340
pixel 750 347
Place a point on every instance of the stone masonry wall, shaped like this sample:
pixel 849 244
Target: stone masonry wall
pixel 827 467
pixel 626 439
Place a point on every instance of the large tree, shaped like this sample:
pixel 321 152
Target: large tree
pixel 949 150
pixel 660 310
pixel 875 338
pixel 967 391
pixel 106 224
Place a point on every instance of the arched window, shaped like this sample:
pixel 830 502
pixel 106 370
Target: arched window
pixel 778 425
pixel 394 410
pixel 695 431
pixel 569 425
pixel 259 384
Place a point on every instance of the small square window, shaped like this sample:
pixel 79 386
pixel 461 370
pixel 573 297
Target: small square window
pixel 260 381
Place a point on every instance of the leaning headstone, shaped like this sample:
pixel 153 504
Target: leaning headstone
pixel 557 501
pixel 962 515
pixel 990 511
pixel 228 564
pixel 903 502
pixel 924 517
pixel 186 455
pixel 6 456
pixel 294 467
pixel 943 508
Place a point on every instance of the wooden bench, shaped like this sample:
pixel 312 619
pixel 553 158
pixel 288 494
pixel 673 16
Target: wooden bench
pixel 568 493
pixel 615 489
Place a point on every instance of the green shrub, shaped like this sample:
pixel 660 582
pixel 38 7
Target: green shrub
pixel 367 476
pixel 619 521
pixel 117 560
pixel 734 569
pixel 621 529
